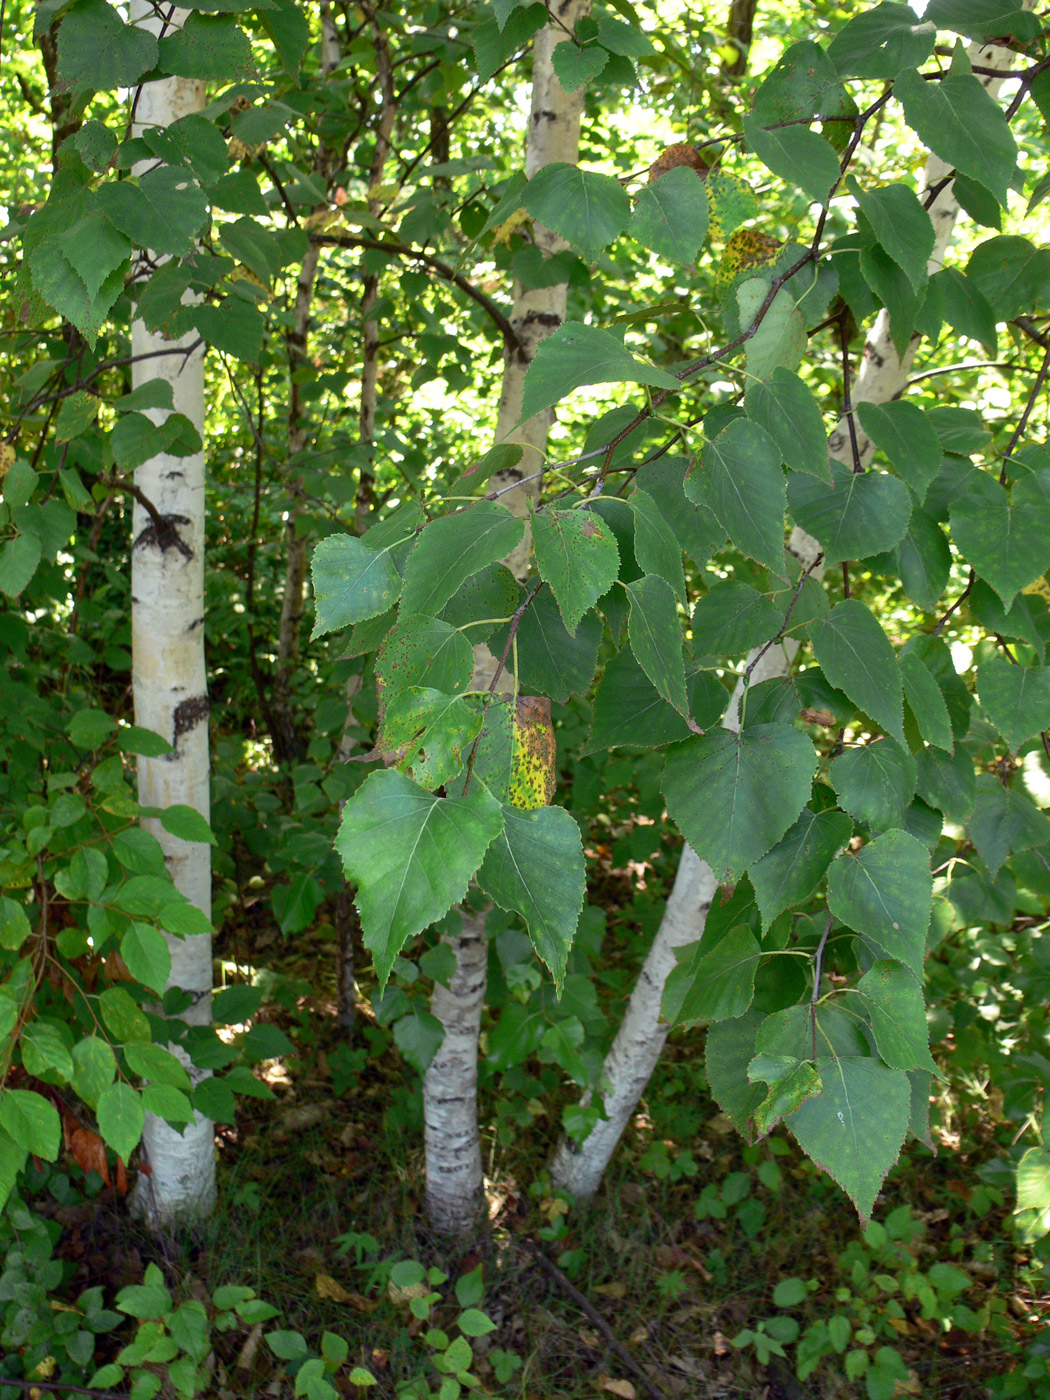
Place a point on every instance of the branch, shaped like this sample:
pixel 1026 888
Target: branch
pixel 397 250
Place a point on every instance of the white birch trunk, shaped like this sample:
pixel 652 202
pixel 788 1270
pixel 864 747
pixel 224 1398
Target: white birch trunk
pixel 450 1087
pixel 171 697
pixel 640 1039
pixel 453 1144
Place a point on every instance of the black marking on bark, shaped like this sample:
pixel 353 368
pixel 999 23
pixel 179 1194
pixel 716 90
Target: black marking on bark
pixel 188 714
pixel 164 535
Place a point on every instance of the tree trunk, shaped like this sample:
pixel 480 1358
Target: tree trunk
pixel 738 30
pixel 453 1144
pixel 171 698
pixel 288 740
pixel 630 1062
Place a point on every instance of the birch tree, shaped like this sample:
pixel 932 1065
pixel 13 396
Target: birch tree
pixel 453 1143
pixel 882 378
pixel 742 793
pixel 168 676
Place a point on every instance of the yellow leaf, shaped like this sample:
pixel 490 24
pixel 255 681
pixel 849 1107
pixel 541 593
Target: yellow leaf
pixel 502 232
pixel 533 754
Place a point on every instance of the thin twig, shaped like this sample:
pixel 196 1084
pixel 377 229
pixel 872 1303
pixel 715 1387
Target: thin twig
pixel 818 973
pixel 957 604
pixel 515 623
pixel 587 1307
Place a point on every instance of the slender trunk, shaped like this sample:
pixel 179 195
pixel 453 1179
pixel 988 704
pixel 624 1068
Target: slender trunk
pixel 288 739
pixel 171 698
pixel 287 735
pixel 450 1087
pixel 738 30
pixel 630 1062
pixel 453 1144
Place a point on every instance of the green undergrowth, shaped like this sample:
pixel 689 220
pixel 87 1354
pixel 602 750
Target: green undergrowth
pixel 721 1268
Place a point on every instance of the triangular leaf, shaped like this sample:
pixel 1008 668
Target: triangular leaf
pixel 655 634
pixel 789 413
pixel 742 483
pixel 577 558
pixel 578 354
pixel 885 892
pixel 453 548
pixel 1015 698
pixel 791 871
pixel 859 514
pixel 856 656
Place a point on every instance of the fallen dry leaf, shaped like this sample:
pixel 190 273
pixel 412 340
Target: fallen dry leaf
pixel 611 1290
pixel 624 1389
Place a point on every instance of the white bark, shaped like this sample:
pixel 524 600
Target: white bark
pixel 450 1087
pixel 171 697
pixel 453 1144
pixel 631 1060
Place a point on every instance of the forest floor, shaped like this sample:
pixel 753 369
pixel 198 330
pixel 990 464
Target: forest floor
pixel 704 1268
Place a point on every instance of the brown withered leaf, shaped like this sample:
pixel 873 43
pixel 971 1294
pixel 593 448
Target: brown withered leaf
pixel 824 717
pixel 679 154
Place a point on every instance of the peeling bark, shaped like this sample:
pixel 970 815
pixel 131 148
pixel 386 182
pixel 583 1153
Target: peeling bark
pixel 170 690
pixel 630 1062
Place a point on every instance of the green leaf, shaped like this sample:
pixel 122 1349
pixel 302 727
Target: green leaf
pixel 729 1049
pixel 576 66
pixel 157 1065
pixel 788 412
pixel 578 354
pixel 577 558
pixel 97 49
pixel 451 549
pixel 145 952
pixel 14 924
pixel 694 527
pixel 670 214
pixel 855 1128
pixel 880 42
pixel 856 656
pixel 1033 1180
pixel 352 582
pixel 779 339
pixel 859 514
pixel 424 651
pixel 426 734
pixel 587 209
pixel 1015 698
pixel 535 868
pixel 892 287
pixel 901 225
pixel 122 1016
pixel 1004 820
pixel 947 782
pixel 1005 537
pixel 418 1036
pixel 411 855
pixel 62 287
pixel 742 483
pixel 804 84
pixel 1011 274
pixel 32 1121
pixel 875 783
pixel 551 661
pixel 233 326
pixel 731 618
pixel 18 563
pixel 207 46
pixel 908 439
pixel 791 1082
pixel 733 796
pixel 628 711
pixel 655 634
pixel 1022 619
pixel 44 1052
pixel 187 824
pixel 121 1116
pixel 966 308
pixel 655 546
pixel 163 212
pixel 94 1068
pixel 985 19
pixel 884 892
pixel 797 155
pixel 894 1001
pixel 963 124
pixel 925 560
pixel 925 701
pixel 720 984
pixel 791 871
